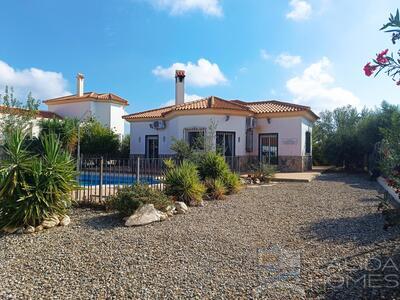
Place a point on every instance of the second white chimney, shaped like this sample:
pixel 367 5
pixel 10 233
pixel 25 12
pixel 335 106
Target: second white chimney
pixel 79 84
pixel 179 87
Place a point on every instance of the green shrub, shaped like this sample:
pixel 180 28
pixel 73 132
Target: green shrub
pixel 182 149
pixel 231 182
pixel 212 165
pixel 183 183
pixel 33 188
pixel 169 163
pixel 129 199
pixel 264 172
pixel 215 189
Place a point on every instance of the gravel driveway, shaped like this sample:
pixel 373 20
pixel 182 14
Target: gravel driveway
pixel 289 240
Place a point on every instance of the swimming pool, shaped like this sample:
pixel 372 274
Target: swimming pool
pixel 113 179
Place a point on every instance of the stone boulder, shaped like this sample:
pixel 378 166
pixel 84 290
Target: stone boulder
pixel 163 216
pixel 181 207
pixel 146 214
pixel 11 229
pixel 170 210
pixel 51 222
pixel 65 221
pixel 29 229
pixel 39 228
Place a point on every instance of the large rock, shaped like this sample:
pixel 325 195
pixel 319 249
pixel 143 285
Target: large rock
pixel 51 222
pixel 39 228
pixel 163 216
pixel 11 229
pixel 29 229
pixel 181 207
pixel 144 215
pixel 170 210
pixel 65 221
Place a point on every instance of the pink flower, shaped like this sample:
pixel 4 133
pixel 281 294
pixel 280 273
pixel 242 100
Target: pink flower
pixel 369 69
pixel 381 57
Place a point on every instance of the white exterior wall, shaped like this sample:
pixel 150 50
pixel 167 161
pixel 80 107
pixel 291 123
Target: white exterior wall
pixel 102 112
pixel 71 110
pixel 108 114
pixel 176 129
pixel 289 132
pixel 116 122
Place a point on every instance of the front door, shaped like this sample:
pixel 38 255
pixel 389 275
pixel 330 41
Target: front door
pixel 151 146
pixel 268 148
pixel 225 142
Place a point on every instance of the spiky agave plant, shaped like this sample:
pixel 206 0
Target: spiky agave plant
pixel 33 188
pixel 183 183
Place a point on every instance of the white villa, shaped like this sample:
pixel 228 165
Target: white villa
pixel 33 128
pixel 276 132
pixel 107 108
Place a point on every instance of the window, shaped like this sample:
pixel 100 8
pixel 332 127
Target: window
pixel 249 140
pixel 225 142
pixel 308 142
pixel 268 150
pixel 195 138
pixel 151 146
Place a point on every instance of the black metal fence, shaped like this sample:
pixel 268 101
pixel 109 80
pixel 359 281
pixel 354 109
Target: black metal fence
pixel 100 178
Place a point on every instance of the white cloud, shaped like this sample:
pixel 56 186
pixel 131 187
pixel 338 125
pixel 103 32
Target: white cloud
pixel 301 10
pixel 202 74
pixel 42 84
pixel 287 61
pixel 179 7
pixel 315 87
pixel 264 54
pixel 188 98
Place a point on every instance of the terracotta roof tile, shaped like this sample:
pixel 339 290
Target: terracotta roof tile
pixel 272 106
pixel 218 103
pixel 106 97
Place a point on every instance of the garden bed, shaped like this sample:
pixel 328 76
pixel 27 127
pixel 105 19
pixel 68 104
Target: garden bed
pixel 211 252
pixel 394 198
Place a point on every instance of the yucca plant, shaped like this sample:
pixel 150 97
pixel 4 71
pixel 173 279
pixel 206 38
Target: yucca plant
pixel 264 172
pixel 33 188
pixel 215 189
pixel 212 165
pixel 183 183
pixel 231 182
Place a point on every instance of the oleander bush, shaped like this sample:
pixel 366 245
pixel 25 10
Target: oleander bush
pixel 183 183
pixel 34 187
pixel 128 199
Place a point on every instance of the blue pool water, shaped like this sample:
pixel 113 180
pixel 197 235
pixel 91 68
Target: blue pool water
pixel 111 179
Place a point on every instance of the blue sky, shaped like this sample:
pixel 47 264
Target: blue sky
pixel 304 51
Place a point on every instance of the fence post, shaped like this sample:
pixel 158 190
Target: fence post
pixel 101 178
pixel 138 170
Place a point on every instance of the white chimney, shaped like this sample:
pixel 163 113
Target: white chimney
pixel 79 84
pixel 179 87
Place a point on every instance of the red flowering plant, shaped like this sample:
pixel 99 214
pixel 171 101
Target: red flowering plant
pixel 390 146
pixel 383 61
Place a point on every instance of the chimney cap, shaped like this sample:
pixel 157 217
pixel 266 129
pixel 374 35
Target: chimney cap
pixel 180 73
pixel 80 75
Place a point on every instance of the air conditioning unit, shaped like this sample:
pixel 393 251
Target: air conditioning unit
pixel 158 125
pixel 251 122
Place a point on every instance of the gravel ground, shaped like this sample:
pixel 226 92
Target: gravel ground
pixel 289 240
